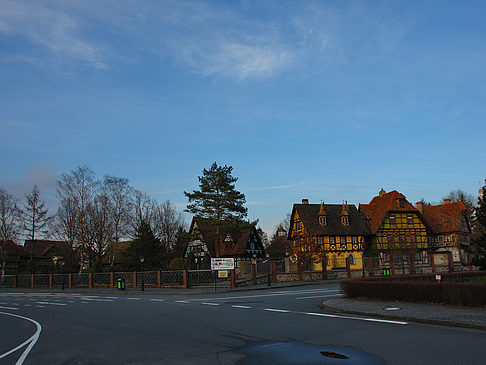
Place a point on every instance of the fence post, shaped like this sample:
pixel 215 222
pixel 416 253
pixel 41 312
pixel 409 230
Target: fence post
pixel 392 264
pixel 50 280
pixel 348 267
pixel 69 281
pixel 324 267
pixel 90 280
pixel 232 279
pixel 274 271
pixel 184 278
pixel 253 273
pixel 15 281
pixel 299 269
pixel 134 279
pixel 32 281
pixel 432 261
pixel 111 279
pixel 158 279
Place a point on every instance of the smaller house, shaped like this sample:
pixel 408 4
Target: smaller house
pixel 45 253
pixel 449 230
pixel 14 256
pixel 240 241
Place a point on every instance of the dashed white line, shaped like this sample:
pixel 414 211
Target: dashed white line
pixel 241 306
pixel 210 303
pixel 51 303
pixel 111 297
pixel 356 318
pixel 84 302
pixel 40 306
pixel 133 298
pixel 320 296
pixel 276 310
pixel 182 301
pixel 157 300
pixel 8 308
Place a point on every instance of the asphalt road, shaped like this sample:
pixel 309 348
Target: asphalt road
pixel 275 326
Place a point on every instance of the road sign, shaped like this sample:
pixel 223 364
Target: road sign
pixel 438 277
pixel 222 263
pixel 222 274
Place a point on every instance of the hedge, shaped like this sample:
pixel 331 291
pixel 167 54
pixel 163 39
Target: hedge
pixel 414 291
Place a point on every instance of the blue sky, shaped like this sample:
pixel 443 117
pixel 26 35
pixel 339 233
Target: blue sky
pixel 324 100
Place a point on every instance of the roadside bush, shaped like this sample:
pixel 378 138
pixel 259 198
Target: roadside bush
pixel 425 292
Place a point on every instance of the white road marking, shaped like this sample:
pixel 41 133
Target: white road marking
pixel 356 318
pixel 182 301
pixel 97 300
pixel 84 302
pixel 256 296
pixel 210 303
pixel 70 301
pixel 276 310
pixel 32 340
pixel 111 297
pixel 3 303
pixel 241 306
pixel 51 303
pixel 133 298
pixel 320 296
pixel 157 300
pixel 14 304
pixel 40 306
pixel 8 308
pixel 28 305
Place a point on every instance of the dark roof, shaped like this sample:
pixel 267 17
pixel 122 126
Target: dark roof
pixel 14 249
pixel 40 248
pixel 379 206
pixel 309 213
pixel 444 218
pixel 239 233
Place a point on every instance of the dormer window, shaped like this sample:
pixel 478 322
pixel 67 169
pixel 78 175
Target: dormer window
pixel 345 220
pixel 322 220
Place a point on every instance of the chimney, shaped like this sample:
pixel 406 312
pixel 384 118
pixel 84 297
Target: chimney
pixel 420 206
pixel 382 192
pixel 447 201
pixel 305 201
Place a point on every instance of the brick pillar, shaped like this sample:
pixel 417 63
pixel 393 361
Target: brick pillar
pixel 50 281
pixel 348 267
pixel 412 264
pixel 15 281
pixel 90 280
pixel 451 261
pixel 158 279
pixel 69 281
pixel 392 264
pixel 324 267
pixel 232 279
pixel 32 281
pixel 111 280
pixel 134 279
pixel 274 271
pixel 184 278
pixel 254 273
pixel 299 268
pixel 432 262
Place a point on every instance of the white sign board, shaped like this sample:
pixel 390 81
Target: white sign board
pixel 222 263
pixel 438 277
pixel 222 274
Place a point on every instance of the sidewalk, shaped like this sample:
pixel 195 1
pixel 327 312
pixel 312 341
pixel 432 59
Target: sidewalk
pixel 467 317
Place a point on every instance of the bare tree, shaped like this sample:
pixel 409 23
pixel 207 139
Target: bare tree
pixel 35 214
pixel 100 224
pixel 467 199
pixel 167 222
pixel 64 225
pixel 142 210
pixel 10 217
pixel 80 188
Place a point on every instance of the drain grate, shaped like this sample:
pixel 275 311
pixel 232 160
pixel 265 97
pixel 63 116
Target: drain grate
pixel 334 355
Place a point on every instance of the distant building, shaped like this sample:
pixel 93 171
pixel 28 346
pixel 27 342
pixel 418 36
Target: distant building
pixel 13 257
pixel 331 231
pixel 45 253
pixel 449 230
pixel 240 241
pixel 396 227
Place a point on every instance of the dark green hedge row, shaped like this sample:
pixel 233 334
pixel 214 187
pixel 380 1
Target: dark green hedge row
pixel 454 277
pixel 425 292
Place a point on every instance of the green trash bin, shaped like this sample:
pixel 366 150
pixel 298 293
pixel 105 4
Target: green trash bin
pixel 120 284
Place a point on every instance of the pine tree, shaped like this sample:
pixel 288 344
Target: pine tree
pixel 479 243
pixel 35 214
pixel 217 198
pixel 144 245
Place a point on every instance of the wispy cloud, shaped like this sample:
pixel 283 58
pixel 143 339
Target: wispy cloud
pixel 276 187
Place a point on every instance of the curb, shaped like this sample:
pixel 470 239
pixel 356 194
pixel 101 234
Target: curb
pixel 405 318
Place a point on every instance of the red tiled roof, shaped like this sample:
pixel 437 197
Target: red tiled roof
pixel 379 206
pixel 444 218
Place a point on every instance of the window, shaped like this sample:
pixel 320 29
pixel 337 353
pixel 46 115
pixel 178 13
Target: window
pixel 319 240
pixel 345 220
pixel 355 239
pixel 441 238
pixel 331 240
pixel 402 238
pixel 392 219
pixel 390 238
pixel 322 220
pixel 409 219
pixel 351 259
pixel 412 237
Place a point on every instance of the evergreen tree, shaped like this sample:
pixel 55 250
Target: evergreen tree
pixel 144 245
pixel 35 214
pixel 479 244
pixel 217 198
